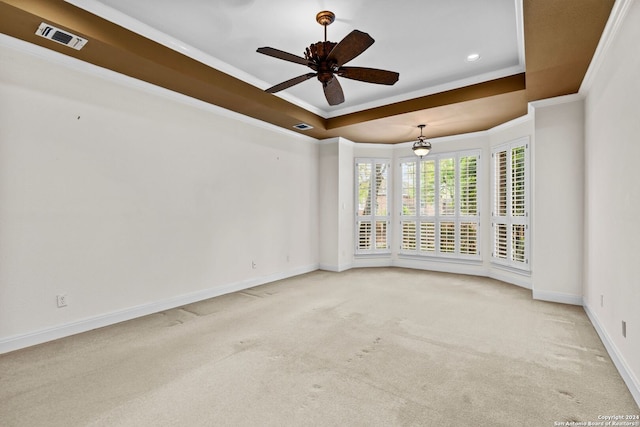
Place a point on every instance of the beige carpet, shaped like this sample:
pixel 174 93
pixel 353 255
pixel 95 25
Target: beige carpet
pixel 368 347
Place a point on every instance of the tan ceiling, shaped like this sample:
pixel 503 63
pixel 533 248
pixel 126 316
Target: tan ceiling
pixel 560 38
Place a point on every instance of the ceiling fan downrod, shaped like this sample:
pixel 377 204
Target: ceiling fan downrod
pixel 325 18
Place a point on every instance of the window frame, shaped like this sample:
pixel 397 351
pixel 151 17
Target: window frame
pixel 437 219
pixel 374 217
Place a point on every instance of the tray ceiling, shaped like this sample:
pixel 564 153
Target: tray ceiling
pixel 206 49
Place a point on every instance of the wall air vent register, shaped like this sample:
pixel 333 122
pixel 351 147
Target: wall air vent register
pixel 303 126
pixel 63 37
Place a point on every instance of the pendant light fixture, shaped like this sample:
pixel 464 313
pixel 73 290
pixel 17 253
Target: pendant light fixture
pixel 421 147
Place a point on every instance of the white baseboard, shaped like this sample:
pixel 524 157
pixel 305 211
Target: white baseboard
pixel 524 281
pixel 335 268
pixel 557 297
pixel 623 368
pixel 17 342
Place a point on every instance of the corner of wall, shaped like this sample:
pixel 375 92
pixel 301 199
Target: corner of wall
pixel 616 356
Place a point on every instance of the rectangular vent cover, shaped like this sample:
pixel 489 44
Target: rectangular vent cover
pixel 63 37
pixel 303 126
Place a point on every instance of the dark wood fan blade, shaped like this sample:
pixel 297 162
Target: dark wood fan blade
pixel 369 75
pixel 333 92
pixel 351 46
pixel 280 54
pixel 290 82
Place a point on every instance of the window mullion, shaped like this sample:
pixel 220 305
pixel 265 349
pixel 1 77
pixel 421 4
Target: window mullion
pixel 418 204
pixel 374 204
pixel 457 204
pixel 436 184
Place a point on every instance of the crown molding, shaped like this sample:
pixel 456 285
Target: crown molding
pixel 558 100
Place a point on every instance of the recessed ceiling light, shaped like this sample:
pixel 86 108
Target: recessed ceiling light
pixel 473 57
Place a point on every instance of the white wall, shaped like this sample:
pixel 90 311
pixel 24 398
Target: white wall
pixel 329 205
pixel 129 202
pixel 612 202
pixel 558 198
pixel 346 204
pixel 336 204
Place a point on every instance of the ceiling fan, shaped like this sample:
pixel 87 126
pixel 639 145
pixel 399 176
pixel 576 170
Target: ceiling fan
pixel 327 60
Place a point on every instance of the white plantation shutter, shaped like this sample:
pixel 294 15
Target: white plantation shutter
pixel 468 238
pixel 510 204
pixel 409 235
pixel 428 188
pixel 447 190
pixel 500 241
pixel 469 219
pixel 468 186
pixel 411 196
pixel 500 183
pixel 409 188
pixel 364 188
pixel 381 190
pixel 381 235
pixel 518 207
pixel 372 206
pixel 518 243
pixel 428 237
pixel 447 237
pixel 439 213
pixel 364 235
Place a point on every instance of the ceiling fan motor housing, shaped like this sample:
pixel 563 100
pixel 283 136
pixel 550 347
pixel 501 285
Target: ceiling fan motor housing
pixel 317 54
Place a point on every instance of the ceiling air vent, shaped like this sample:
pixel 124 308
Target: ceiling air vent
pixel 303 126
pixel 63 37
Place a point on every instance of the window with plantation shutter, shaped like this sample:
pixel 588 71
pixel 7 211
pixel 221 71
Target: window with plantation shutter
pixel 372 204
pixel 439 213
pixel 510 204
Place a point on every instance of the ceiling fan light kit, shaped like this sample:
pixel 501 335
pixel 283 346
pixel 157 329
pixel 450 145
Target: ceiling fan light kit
pixel 327 60
pixel 421 147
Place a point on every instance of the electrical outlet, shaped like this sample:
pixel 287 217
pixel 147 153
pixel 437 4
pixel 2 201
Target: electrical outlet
pixel 62 300
pixel 253 265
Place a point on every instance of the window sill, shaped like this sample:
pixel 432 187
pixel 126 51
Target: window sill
pixel 373 255
pixel 450 260
pixel 510 269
